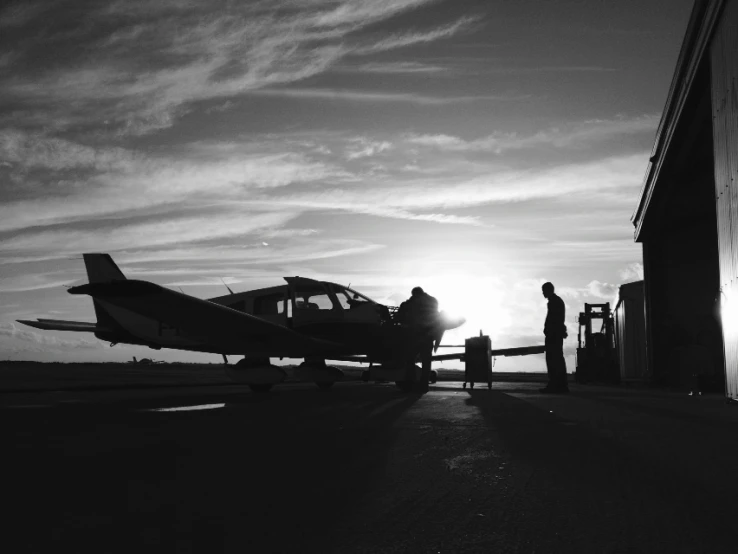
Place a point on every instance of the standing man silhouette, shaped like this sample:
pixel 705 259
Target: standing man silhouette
pixel 555 331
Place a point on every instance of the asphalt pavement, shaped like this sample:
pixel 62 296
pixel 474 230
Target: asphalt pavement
pixel 366 468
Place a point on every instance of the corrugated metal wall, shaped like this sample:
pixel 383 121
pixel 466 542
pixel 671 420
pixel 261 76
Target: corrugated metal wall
pixel 630 331
pixel 724 70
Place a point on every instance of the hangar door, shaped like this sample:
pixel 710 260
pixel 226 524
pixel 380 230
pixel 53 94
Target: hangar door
pixel 724 70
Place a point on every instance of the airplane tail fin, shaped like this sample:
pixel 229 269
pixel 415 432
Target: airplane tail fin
pixel 102 269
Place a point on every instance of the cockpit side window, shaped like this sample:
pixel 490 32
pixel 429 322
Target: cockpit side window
pixel 271 304
pixel 311 297
pixel 343 298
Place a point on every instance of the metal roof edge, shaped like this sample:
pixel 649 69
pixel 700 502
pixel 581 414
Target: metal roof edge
pixel 701 24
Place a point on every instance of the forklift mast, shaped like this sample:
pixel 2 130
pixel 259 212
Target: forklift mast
pixel 596 353
pixel 607 329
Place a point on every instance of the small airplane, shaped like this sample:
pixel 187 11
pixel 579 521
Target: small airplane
pixel 305 318
pixel 144 361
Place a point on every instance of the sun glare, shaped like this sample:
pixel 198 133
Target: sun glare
pixel 474 298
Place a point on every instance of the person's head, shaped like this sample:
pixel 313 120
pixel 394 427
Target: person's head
pixel 417 291
pixel 548 290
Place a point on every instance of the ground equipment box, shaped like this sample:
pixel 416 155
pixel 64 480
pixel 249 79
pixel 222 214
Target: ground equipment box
pixel 478 361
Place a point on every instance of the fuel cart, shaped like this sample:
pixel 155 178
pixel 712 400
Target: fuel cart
pixel 478 361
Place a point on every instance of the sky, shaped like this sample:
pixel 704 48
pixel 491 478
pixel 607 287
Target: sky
pixel 476 149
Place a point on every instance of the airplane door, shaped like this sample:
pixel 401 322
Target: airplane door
pixel 271 306
pixel 313 305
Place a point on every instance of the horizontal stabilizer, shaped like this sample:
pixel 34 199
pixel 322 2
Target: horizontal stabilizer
pixel 507 352
pixel 61 325
pixel 522 351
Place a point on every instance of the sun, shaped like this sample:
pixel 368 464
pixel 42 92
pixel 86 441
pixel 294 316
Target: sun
pixel 477 299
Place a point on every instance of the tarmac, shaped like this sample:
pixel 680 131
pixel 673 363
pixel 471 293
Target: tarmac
pixel 365 468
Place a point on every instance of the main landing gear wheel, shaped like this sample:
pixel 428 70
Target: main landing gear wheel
pixel 324 385
pixel 261 387
pixel 433 377
pixel 365 375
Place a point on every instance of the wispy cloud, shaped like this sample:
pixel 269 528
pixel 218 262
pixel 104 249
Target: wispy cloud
pixel 400 40
pixel 441 140
pixel 24 283
pixel 632 272
pixel 602 290
pixel 156 60
pixel 374 96
pixel 364 148
pixel 20 13
pixel 615 173
pixel 37 150
pixel 116 180
pixel 399 68
pixel 583 133
pixel 518 69
pixel 179 231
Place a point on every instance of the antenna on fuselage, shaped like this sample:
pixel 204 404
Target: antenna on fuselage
pixel 226 286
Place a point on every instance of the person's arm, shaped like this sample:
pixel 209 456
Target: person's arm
pixel 561 315
pixel 547 322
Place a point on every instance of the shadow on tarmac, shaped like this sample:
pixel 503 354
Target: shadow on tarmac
pixel 267 473
pixel 589 490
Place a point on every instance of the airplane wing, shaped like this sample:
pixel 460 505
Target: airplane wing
pixel 203 320
pixel 61 325
pixel 521 351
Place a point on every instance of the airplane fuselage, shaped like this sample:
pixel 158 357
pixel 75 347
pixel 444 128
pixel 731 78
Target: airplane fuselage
pixel 339 322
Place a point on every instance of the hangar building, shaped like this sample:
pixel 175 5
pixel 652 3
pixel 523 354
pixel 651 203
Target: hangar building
pixel 687 213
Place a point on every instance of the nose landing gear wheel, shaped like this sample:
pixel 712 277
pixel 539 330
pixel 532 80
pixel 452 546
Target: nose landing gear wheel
pixel 324 385
pixel 261 388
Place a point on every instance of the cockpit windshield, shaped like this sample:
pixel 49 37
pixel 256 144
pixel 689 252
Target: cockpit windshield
pixel 350 299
